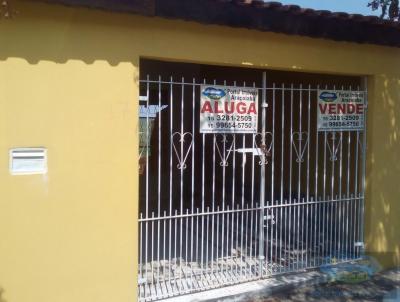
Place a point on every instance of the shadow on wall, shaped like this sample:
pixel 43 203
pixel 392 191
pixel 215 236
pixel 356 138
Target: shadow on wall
pixel 2 295
pixel 58 40
pixel 383 170
pixel 67 33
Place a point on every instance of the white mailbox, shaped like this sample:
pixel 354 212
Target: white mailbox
pixel 25 161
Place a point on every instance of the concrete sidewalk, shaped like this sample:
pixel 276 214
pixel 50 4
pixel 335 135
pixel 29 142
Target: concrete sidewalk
pixel 304 286
pixel 384 286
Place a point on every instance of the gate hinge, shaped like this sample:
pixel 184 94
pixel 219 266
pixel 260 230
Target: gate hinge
pixel 359 244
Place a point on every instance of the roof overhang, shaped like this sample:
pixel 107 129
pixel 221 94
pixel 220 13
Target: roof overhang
pixel 260 15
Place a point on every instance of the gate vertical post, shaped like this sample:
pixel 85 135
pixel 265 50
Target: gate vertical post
pixel 264 106
pixel 364 162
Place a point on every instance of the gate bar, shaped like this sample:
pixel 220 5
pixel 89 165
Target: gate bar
pixel 364 154
pixel 264 106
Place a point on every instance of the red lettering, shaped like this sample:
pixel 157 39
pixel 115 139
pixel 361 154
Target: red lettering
pixel 241 108
pixel 229 107
pixel 332 109
pixel 360 109
pixel 322 108
pixel 351 109
pixel 206 107
pixel 252 109
pixel 232 108
pixel 341 108
pixel 217 110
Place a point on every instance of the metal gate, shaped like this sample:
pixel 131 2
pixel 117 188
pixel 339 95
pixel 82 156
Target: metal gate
pixel 221 209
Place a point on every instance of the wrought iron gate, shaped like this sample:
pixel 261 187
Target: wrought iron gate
pixel 220 209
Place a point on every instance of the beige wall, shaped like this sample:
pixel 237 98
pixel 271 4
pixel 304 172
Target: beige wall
pixel 382 223
pixel 68 82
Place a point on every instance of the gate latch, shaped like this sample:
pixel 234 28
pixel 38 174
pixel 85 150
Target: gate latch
pixel 270 217
pixel 255 151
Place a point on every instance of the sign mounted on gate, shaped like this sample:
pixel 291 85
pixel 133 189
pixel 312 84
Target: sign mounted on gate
pixel 225 109
pixel 340 110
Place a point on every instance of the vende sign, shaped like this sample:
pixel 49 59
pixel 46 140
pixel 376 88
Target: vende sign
pixel 228 109
pixel 340 110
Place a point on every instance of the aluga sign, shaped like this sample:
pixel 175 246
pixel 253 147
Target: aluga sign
pixel 228 109
pixel 340 110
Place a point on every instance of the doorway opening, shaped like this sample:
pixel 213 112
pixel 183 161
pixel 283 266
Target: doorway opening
pixel 222 208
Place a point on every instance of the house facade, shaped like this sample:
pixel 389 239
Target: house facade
pixel 73 75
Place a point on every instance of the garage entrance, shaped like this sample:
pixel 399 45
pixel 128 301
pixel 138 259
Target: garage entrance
pixel 226 207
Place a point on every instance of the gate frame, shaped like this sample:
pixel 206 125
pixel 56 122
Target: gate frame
pixel 262 208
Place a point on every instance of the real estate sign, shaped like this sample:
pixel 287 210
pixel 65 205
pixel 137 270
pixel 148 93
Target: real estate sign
pixel 226 109
pixel 340 110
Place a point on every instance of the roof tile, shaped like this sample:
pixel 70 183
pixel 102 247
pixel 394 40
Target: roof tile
pixel 265 16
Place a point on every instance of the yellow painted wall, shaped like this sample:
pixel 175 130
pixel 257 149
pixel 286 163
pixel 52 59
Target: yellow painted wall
pixel 68 82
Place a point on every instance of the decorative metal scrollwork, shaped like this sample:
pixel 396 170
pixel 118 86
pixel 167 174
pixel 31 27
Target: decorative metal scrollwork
pixel 228 147
pixel 263 150
pixel 178 140
pixel 297 139
pixel 333 150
